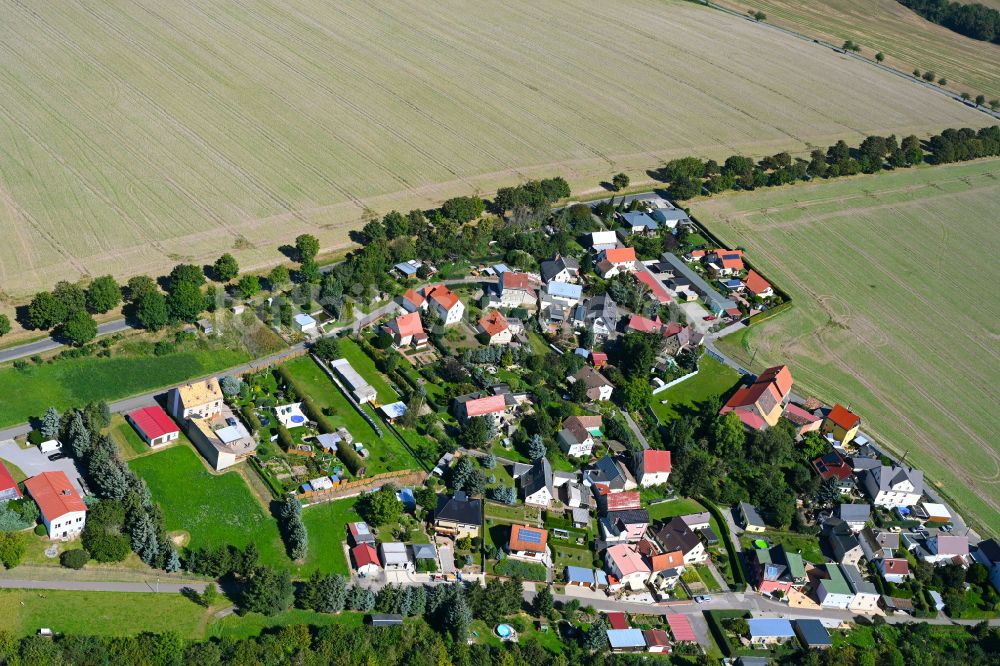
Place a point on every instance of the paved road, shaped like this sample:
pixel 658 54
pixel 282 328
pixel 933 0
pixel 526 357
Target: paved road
pixel 634 427
pixel 50 344
pixel 103 586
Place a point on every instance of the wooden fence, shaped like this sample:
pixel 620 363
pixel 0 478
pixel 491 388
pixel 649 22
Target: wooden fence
pixel 404 477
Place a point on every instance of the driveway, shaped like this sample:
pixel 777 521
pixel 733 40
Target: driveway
pixel 695 314
pixel 33 462
pixel 447 557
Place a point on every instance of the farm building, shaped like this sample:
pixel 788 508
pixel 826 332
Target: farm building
pixel 357 384
pixel 153 425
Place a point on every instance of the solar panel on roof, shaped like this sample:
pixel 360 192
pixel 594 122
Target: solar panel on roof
pixel 531 536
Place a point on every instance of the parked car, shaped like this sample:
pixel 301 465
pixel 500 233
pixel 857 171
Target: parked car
pixel 57 456
pixel 709 318
pixel 702 598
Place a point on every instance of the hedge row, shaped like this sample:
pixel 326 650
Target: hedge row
pixel 739 579
pixel 524 570
pixel 251 418
pixel 350 458
pixel 768 314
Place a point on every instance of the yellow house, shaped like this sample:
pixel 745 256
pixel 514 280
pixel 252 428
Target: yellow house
pixel 841 423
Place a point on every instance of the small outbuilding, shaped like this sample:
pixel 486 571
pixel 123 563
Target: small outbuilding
pixel 385 620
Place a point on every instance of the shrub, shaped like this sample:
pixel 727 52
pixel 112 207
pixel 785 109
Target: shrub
pixel 74 559
pixel 350 458
pixel 40 530
pixel 523 570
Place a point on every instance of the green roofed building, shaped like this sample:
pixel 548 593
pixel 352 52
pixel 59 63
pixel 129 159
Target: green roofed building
pixel 833 591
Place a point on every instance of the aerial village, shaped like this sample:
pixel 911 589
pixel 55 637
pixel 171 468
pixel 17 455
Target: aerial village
pixel 524 424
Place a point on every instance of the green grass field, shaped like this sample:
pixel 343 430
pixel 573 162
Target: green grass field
pixel 75 382
pixel 327 533
pixel 214 509
pixel 130 444
pixel 24 612
pixel 118 116
pixel 895 315
pixel 252 624
pixel 713 378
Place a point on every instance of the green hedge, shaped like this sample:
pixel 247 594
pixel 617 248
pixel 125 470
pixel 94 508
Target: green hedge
pixel 350 458
pixel 251 418
pixel 734 558
pixel 773 312
pixel 285 438
pixel 714 619
pixel 277 490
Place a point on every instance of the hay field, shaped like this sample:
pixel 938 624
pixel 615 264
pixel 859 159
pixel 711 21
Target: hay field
pixel 896 312
pixel 908 40
pixel 137 134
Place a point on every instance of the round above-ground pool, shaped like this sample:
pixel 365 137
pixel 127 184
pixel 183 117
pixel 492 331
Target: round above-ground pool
pixel 504 630
pixel 296 418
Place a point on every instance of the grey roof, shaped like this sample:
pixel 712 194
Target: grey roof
pixel 883 478
pixel 602 306
pixel 855 513
pixel 812 633
pixel 460 509
pixel 553 267
pixel 675 535
pixel 609 471
pixel 990 550
pixel 857 582
pixel 696 518
pixel 861 463
pixel 424 551
pixel 520 469
pixel 750 512
pixel 714 299
pixel 840 537
pixel 629 516
pixel 581 515
pixel 538 477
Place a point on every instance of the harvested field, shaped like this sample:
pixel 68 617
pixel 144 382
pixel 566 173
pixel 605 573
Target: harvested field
pixel 894 315
pixel 139 134
pixel 908 40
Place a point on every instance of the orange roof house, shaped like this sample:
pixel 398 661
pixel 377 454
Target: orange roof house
pixel 524 539
pixel 494 324
pixel 757 285
pixel 841 424
pixel 620 255
pixel 441 295
pixel 491 404
pixel 414 299
pixel 63 511
pixel 760 404
pixel 407 329
pixel 664 561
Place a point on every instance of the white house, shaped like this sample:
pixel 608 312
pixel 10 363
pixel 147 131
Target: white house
pixel 444 303
pixel 305 323
pixel 514 290
pixel 893 486
pixel 563 293
pixel 63 512
pixel 395 557
pixel 197 399
pixel 617 260
pixel 536 484
pixel 625 563
pixel 576 438
pixel 603 240
pixel 833 591
pixel 947 548
pixel 653 467
pixel 598 387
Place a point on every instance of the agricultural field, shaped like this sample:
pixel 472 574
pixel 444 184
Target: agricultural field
pixel 908 40
pixel 137 135
pixel 74 382
pixel 213 509
pixel 893 311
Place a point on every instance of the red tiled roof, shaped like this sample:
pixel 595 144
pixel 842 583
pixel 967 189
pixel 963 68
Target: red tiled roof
pixel 833 465
pixel 896 566
pixel 656 638
pixel 621 501
pixel 733 312
pixel 698 254
pixel 751 419
pixel 680 627
pixel 441 295
pixel 617 620
pixel 643 324
pixel 409 325
pixel 598 358
pixel 532 544
pixel 664 561
pixel 781 376
pixel 54 495
pixel 493 322
pixel 153 421
pixel 491 404
pixel 799 416
pixel 620 255
pixel 755 283
pixel 843 417
pixel 512 280
pixel 414 297
pixel 654 286
pixel 672 329
pixel 7 482
pixel 654 460
pixel 363 555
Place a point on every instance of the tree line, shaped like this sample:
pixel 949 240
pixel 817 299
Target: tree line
pixel 972 19
pixel 690 176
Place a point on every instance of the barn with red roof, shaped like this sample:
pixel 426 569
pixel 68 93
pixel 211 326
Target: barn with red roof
pixel 153 425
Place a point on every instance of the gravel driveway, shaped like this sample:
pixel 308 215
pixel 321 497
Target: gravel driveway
pixel 33 462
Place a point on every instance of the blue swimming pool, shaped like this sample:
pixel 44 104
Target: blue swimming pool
pixel 297 419
pixel 504 630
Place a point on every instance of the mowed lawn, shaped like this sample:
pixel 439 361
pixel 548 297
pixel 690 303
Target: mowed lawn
pixel 895 311
pixel 121 115
pixel 24 612
pixel 713 379
pixel 214 509
pixel 907 40
pixel 326 524
pixel 75 382
pixel 386 453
